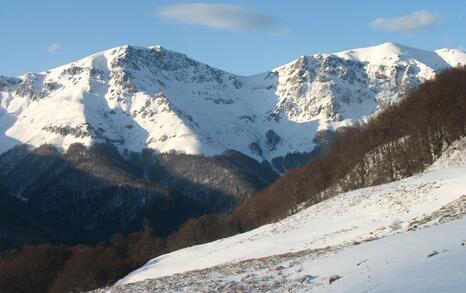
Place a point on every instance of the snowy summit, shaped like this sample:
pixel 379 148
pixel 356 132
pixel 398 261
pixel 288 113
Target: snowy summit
pixel 136 98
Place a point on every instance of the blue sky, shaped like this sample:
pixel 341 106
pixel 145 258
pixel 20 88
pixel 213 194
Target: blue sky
pixel 243 37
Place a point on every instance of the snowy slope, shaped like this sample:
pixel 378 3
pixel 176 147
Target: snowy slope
pixel 155 98
pixel 454 155
pixel 426 260
pixel 324 239
pixel 452 56
pixel 391 53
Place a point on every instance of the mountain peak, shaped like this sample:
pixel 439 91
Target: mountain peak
pixel 454 57
pixel 390 53
pixel 137 97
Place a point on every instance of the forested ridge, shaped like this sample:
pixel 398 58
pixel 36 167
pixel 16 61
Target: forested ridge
pixel 402 140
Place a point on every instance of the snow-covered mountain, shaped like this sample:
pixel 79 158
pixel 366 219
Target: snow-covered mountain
pixel 405 235
pixel 137 98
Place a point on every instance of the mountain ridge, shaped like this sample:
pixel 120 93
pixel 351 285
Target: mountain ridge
pixel 137 97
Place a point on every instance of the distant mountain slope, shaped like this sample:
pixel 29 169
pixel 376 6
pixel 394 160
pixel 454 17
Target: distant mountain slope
pixel 94 189
pixel 21 224
pixel 321 241
pixel 138 98
pixel 103 193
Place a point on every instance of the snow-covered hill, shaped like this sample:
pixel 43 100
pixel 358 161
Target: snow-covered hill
pixel 402 236
pixel 137 98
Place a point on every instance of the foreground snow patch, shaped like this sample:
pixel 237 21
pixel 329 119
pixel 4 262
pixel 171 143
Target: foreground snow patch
pixel 345 220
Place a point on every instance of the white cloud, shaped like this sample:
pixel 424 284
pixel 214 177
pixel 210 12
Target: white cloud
pixel 216 16
pixel 406 23
pixel 53 47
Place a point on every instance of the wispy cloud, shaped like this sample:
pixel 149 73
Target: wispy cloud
pixel 53 47
pixel 406 23
pixel 216 16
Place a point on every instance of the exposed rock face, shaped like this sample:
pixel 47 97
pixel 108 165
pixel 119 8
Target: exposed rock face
pixel 271 139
